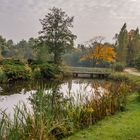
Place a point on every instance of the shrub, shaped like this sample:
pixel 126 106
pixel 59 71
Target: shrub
pixel 66 71
pixel 17 72
pixel 121 77
pixel 48 70
pixel 3 77
pixel 37 73
pixel 118 67
pixel 137 63
pixel 27 72
pixel 11 62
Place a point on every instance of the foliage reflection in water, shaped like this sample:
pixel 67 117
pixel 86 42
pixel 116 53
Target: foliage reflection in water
pixel 13 93
pixel 56 114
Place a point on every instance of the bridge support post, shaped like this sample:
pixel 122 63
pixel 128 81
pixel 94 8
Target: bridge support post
pixel 91 75
pixel 75 75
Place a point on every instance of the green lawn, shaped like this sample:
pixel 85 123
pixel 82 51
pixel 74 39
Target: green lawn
pixel 122 126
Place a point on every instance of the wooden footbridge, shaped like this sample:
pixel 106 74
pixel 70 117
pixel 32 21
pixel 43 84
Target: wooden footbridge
pixel 90 72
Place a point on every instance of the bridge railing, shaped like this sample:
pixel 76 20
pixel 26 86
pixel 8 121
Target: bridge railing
pixel 90 70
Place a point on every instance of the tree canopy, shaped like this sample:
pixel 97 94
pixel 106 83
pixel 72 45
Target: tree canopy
pixel 100 52
pixel 128 45
pixel 56 32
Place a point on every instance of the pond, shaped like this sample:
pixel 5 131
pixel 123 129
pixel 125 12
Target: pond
pixel 57 108
pixel 14 93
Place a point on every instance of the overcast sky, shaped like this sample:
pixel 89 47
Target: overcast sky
pixel 19 19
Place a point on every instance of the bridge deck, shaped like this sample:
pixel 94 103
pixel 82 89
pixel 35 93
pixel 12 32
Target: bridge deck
pixel 91 74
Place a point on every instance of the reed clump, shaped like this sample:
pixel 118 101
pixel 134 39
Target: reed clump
pixel 54 117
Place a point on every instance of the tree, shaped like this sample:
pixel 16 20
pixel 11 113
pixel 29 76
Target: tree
pixel 3 46
pixel 122 44
pixel 102 52
pixel 22 44
pixel 56 32
pixel 25 50
pixel 43 55
pixel 10 43
pixel 137 62
pixel 133 46
pixel 2 43
pixel 99 52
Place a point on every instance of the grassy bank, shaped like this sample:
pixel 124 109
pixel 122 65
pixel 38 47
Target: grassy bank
pixel 122 126
pixel 129 78
pixel 122 76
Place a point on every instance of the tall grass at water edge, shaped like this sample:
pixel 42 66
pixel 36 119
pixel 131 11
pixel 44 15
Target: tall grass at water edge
pixel 54 117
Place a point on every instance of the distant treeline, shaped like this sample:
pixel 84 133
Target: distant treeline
pixel 55 44
pixel 126 46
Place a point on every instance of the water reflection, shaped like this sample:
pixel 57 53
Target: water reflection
pixel 14 93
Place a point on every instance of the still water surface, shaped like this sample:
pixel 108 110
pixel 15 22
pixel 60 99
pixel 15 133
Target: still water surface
pixel 14 93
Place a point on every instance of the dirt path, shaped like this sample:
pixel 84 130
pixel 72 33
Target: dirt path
pixel 132 71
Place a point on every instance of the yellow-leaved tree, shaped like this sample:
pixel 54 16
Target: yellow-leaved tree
pixel 100 52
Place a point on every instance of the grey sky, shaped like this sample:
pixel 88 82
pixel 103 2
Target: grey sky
pixel 19 19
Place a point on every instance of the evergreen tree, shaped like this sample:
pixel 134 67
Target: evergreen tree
pixel 122 44
pixel 133 46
